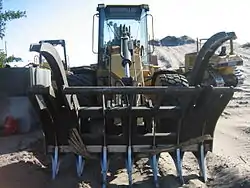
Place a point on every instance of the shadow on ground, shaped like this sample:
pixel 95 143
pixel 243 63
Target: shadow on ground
pixel 15 143
pixel 22 174
pixel 229 178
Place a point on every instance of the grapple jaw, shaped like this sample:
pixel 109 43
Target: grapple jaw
pixel 128 127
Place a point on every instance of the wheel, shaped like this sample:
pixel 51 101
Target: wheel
pixel 173 80
pixel 169 124
pixel 84 77
pixel 230 80
pixel 176 80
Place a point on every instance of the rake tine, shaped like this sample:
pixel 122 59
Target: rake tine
pixel 202 162
pixel 155 158
pixel 55 162
pixel 129 166
pixel 154 165
pixel 104 159
pixel 129 161
pixel 104 166
pixel 80 162
pixel 179 157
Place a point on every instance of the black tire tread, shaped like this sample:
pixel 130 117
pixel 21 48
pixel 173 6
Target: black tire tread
pixel 86 77
pixel 176 80
pixel 173 80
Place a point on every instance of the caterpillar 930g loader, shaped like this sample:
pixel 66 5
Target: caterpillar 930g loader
pixel 123 104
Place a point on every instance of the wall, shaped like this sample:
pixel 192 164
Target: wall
pixel 14 86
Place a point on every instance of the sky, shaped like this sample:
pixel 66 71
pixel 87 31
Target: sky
pixel 72 21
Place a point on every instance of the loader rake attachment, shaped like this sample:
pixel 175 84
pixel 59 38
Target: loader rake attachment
pixel 126 127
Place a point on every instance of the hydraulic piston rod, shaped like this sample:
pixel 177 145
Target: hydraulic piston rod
pixel 126 51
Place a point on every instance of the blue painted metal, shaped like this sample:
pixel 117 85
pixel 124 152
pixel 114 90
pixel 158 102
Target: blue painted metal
pixel 154 165
pixel 104 165
pixel 129 166
pixel 179 165
pixel 80 162
pixel 177 156
pixel 55 163
pixel 202 162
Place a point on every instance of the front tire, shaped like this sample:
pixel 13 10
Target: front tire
pixel 84 77
pixel 167 125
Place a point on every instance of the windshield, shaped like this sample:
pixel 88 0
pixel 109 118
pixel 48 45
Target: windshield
pixel 137 29
pixel 112 30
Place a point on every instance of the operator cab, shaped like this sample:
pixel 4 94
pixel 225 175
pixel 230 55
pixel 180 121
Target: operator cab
pixel 119 21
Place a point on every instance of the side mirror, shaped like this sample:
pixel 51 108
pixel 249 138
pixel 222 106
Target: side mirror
pixel 93 33
pixel 151 37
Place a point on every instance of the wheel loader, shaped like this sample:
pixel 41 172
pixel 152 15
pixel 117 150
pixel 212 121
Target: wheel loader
pixel 222 67
pixel 124 105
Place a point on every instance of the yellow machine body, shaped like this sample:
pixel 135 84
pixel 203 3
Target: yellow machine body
pixel 223 64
